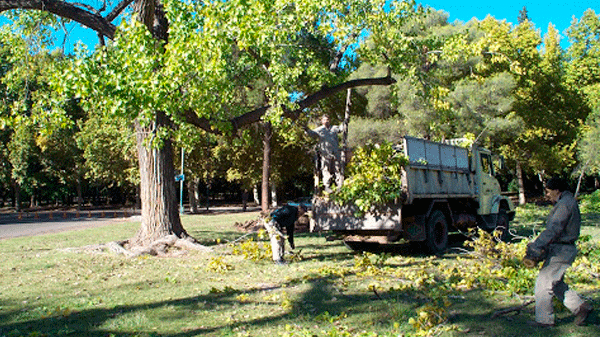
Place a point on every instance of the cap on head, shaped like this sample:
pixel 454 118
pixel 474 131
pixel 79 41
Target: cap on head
pixel 557 184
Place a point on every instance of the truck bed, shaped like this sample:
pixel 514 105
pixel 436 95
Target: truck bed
pixel 435 171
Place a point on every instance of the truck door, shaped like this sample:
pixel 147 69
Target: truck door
pixel 489 188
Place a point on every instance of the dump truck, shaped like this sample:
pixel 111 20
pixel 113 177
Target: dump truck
pixel 445 188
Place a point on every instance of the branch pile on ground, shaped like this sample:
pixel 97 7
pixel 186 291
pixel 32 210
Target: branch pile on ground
pixel 254 225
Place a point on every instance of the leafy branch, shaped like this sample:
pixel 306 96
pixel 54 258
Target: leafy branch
pixel 375 178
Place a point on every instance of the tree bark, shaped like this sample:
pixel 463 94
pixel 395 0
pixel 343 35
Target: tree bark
pixel 273 196
pixel 344 157
pixel 158 189
pixel 17 199
pixel 79 192
pixel 65 10
pixel 266 168
pixel 194 195
pixel 520 184
pixel 583 169
pixel 256 114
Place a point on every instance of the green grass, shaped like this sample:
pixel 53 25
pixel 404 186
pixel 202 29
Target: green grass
pixel 328 290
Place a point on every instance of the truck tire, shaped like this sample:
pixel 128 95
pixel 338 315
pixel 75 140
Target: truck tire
pixel 437 233
pixel 501 225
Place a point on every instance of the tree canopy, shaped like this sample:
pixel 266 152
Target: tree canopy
pixel 201 74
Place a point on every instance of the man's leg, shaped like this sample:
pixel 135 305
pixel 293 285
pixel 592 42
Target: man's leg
pixel 326 172
pixel 570 298
pixel 549 277
pixel 339 178
pixel 277 241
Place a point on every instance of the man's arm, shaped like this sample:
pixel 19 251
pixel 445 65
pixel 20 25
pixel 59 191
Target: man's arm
pixel 310 132
pixel 290 233
pixel 555 224
pixel 337 128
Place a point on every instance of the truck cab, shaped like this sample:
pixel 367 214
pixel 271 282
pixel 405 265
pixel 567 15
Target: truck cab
pixel 495 210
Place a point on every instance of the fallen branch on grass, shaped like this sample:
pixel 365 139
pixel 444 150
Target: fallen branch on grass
pixel 516 309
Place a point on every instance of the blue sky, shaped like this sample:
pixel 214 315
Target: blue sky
pixel 559 13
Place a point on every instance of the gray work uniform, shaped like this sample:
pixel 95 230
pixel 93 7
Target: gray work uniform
pixel 329 152
pixel 558 239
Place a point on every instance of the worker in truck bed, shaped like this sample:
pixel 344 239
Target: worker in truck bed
pixel 329 152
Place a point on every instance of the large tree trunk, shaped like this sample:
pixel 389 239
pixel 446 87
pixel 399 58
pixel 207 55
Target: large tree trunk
pixel 158 191
pixel 266 168
pixel 273 196
pixel 17 199
pixel 79 192
pixel 344 154
pixel 255 195
pixel 194 195
pixel 520 184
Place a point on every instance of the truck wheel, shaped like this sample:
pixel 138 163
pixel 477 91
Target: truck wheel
pixel 502 224
pixel 437 233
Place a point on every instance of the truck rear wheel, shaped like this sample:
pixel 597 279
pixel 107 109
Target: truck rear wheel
pixel 437 233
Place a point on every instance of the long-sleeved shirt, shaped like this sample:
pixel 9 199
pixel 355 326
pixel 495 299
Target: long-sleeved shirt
pixel 286 216
pixel 563 223
pixel 328 140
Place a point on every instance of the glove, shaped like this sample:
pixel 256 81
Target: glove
pixel 529 263
pixel 533 256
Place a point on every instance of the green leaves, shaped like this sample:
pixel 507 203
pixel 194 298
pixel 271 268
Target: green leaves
pixel 374 178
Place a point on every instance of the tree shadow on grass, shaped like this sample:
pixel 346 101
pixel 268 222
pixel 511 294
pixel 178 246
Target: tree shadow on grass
pixel 473 313
pixel 318 299
pixel 88 322
pixel 321 303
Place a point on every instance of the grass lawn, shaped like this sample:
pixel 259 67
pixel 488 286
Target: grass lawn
pixel 47 289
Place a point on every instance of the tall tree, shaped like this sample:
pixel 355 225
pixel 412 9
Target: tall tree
pixel 523 15
pixel 584 56
pixel 583 74
pixel 180 62
pixel 39 144
pixel 550 113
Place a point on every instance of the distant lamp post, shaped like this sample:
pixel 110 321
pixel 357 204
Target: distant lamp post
pixel 181 178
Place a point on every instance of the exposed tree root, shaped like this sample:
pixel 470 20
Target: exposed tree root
pixel 169 245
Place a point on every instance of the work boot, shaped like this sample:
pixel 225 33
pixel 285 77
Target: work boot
pixel 583 313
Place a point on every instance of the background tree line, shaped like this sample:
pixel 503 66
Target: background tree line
pixel 209 81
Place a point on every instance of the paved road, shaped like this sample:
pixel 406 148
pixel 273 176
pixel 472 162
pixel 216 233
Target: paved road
pixel 43 222
pixel 36 223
